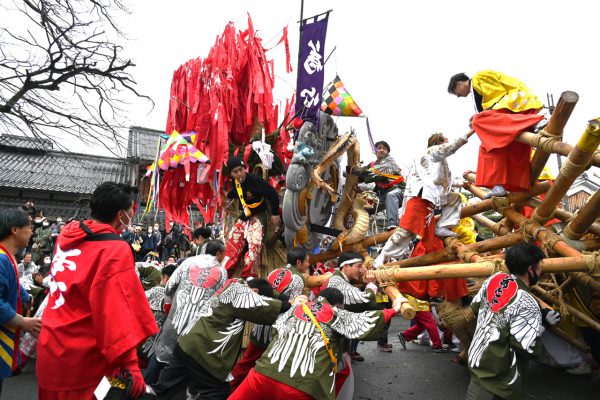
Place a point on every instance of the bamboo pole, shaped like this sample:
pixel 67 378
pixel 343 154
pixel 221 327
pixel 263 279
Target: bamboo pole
pixel 545 236
pixel 556 147
pixel 564 215
pixel 555 127
pixel 575 164
pixel 516 197
pixel 580 225
pixel 480 269
pixel 444 255
pixel 373 240
pixel 533 228
pixel 496 227
pixel 406 310
pixel 572 310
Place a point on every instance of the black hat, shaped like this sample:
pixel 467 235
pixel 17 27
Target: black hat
pixel 233 162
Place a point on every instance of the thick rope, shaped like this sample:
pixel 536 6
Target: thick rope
pixel 385 277
pixel 592 262
pixel 528 237
pixel 561 297
pixel 449 245
pixel 500 203
pixel 570 169
pixel 498 265
pixel 544 141
pixel 550 242
pixel 467 255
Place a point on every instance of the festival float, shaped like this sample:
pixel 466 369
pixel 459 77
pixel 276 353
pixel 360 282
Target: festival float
pixel 223 105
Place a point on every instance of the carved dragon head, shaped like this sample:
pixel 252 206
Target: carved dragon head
pixel 366 200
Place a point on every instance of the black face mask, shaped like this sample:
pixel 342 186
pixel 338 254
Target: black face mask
pixel 533 279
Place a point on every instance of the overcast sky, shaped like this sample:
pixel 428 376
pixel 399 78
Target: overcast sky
pixel 395 57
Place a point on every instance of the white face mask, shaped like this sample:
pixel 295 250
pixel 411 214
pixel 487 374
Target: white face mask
pixel 45 224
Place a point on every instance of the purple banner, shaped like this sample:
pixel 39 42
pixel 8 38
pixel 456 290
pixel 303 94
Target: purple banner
pixel 310 67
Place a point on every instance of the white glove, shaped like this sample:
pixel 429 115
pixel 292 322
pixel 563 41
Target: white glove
pixel 397 304
pixel 551 317
pixel 299 300
pixel 373 287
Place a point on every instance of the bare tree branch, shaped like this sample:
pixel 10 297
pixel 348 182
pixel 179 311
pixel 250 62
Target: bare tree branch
pixel 65 44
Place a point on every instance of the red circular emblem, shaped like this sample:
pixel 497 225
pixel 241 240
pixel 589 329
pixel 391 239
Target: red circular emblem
pixel 204 277
pixel 323 312
pixel 501 289
pixel 280 279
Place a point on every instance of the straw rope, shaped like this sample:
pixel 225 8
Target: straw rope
pixel 467 255
pixel 544 141
pixel 561 297
pixel 498 266
pixel 385 277
pixel 525 228
pixel 500 203
pixel 592 261
pixel 570 169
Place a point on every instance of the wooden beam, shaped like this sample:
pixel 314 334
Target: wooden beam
pixel 575 164
pixel 555 128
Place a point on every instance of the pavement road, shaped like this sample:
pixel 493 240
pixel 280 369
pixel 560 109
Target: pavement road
pixel 416 373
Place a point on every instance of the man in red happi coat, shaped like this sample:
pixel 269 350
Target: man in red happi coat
pixel 97 312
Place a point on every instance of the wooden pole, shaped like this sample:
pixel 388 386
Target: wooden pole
pixel 572 310
pixel 564 215
pixel 406 310
pixel 544 235
pixel 444 255
pixel 480 269
pixel 575 164
pixel 580 225
pixel 555 127
pixel 373 240
pixel 557 147
pixel 517 197
pixel 496 227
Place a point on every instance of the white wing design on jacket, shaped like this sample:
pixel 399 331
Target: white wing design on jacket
pixel 525 320
pixel 354 325
pixel 299 340
pixel 351 294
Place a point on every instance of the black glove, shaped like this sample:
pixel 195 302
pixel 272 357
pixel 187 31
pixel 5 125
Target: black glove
pixel 436 300
pixel 466 300
pixel 285 303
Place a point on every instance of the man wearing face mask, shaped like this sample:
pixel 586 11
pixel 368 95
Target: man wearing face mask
pixel 97 311
pixel 42 241
pixel 509 323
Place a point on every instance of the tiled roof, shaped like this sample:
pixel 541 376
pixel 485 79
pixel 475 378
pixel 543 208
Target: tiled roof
pixel 59 171
pixel 587 182
pixel 26 142
pixel 142 143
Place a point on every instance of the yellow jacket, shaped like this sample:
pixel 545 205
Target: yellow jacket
pixel 466 231
pixel 502 91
